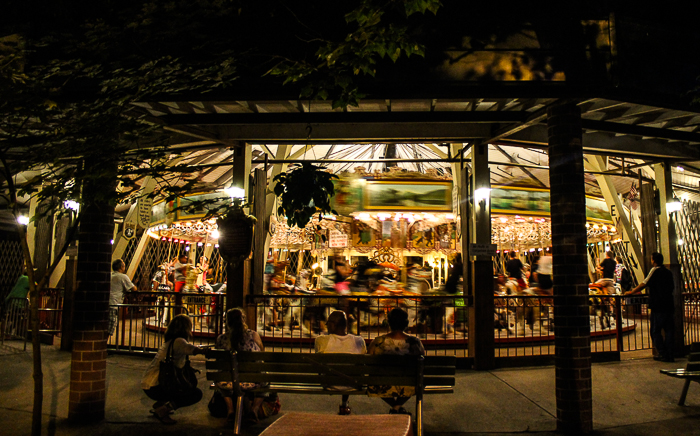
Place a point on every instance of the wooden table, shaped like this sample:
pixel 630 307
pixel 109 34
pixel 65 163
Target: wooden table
pixel 316 424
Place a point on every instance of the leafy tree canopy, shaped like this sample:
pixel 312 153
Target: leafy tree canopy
pixel 70 72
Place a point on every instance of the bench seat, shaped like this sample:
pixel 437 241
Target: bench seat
pixel 691 372
pixel 333 374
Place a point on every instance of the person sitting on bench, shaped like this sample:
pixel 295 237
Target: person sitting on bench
pixel 339 341
pixel 396 342
pixel 240 338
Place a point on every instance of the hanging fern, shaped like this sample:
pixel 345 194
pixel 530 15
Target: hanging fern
pixel 304 191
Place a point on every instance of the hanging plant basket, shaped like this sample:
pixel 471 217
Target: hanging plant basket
pixel 303 192
pixel 236 235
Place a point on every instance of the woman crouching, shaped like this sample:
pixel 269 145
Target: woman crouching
pixel 177 335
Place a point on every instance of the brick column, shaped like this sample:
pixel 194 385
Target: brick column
pixel 570 275
pixel 90 312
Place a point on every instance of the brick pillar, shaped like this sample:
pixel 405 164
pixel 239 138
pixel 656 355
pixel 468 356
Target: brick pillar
pixel 90 311
pixel 570 276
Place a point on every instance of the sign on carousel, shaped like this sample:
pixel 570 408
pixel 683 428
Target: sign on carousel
pixel 337 239
pixel 144 212
pixel 486 250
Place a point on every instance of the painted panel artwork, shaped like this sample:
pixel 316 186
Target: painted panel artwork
pixel 410 196
pixel 363 235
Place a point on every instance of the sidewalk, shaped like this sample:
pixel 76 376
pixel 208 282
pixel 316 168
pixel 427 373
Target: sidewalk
pixel 629 398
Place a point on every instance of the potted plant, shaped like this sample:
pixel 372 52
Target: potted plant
pixel 303 191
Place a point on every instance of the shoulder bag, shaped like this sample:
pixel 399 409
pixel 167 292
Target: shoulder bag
pixel 176 381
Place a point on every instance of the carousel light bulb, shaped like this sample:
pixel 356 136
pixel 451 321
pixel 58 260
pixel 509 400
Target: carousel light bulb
pixel 215 234
pixel 364 217
pixel 24 220
pixel 397 217
pixel 595 226
pixel 504 219
pixel 314 266
pixel 187 248
pixel 215 246
pixel 680 241
pixel 199 244
pixel 449 216
pixel 587 225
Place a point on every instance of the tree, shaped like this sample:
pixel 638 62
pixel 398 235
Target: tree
pixel 70 73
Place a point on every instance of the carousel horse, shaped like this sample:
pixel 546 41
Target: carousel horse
pixel 601 306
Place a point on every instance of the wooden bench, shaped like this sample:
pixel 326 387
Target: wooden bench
pixel 691 372
pixel 297 373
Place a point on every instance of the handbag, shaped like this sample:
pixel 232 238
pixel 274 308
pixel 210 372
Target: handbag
pixel 176 381
pixel 271 406
pixel 217 405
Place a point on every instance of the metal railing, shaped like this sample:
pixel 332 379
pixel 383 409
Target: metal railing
pixel 523 324
pixel 144 316
pixel 17 316
pixel 291 322
pixel 16 320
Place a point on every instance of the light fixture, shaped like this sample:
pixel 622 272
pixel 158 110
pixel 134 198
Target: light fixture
pixel 481 194
pixel 71 204
pixel 215 234
pixel 680 241
pixel 24 220
pixel 235 192
pixel 674 206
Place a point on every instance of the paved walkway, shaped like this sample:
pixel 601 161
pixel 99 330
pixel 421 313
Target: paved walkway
pixel 629 398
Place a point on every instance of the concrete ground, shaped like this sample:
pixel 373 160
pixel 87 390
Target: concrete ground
pixel 629 398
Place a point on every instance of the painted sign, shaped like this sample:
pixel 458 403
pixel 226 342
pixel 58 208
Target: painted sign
pixel 337 239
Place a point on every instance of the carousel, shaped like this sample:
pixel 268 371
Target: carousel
pixel 394 241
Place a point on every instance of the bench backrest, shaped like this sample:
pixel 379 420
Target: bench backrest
pixel 694 357
pixel 221 365
pixel 352 370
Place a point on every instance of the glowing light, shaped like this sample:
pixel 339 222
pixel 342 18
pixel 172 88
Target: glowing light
pixel 111 241
pixel 70 204
pixel 680 169
pixel 199 244
pixel 397 217
pixel 450 216
pixel 429 216
pixel 314 266
pixel 215 234
pixel 482 194
pixel 504 219
pixel 235 192
pixel 674 206
pixel 364 216
pixel 24 220
pixel 680 241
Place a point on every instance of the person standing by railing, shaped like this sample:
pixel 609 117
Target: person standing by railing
pixel 120 283
pixel 661 285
